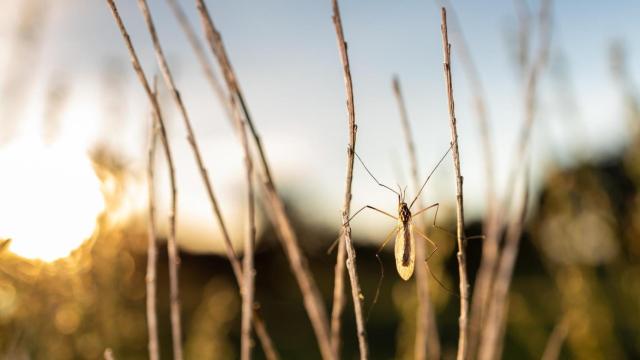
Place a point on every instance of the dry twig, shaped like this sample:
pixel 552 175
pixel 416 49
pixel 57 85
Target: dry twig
pixel 198 50
pixel 173 260
pixel 223 98
pixel 168 79
pixel 427 339
pixel 248 281
pixel 356 293
pixel 152 249
pixel 462 262
pixel 282 224
pixel 493 330
pixel 490 246
pixel 556 339
pixel 108 354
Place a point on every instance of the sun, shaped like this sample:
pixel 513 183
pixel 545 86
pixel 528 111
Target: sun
pixel 50 199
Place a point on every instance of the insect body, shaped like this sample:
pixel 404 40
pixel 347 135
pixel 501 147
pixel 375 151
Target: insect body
pixel 405 244
pixel 405 230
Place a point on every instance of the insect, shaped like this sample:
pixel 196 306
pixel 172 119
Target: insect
pixel 405 229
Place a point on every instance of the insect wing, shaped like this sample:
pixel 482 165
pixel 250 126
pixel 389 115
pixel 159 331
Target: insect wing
pixel 405 251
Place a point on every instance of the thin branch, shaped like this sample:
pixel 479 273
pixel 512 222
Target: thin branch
pixel 168 79
pixel 248 282
pixel 282 224
pixel 108 354
pixel 462 261
pixel 171 243
pixel 152 250
pixel 201 56
pixel 427 339
pixel 493 330
pixel 223 98
pixel 260 328
pixel 356 293
pixel 490 247
pixel 556 339
pixel 532 78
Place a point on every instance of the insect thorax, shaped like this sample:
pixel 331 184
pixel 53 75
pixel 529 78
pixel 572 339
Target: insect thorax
pixel 404 213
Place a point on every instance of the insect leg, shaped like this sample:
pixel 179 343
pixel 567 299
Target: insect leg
pixel 436 205
pixel 435 217
pixel 426 263
pixel 372 208
pixel 337 240
pixel 384 243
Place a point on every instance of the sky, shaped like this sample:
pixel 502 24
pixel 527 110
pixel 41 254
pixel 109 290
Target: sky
pixel 285 55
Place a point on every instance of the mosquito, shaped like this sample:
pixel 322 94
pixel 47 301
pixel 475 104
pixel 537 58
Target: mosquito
pixel 405 229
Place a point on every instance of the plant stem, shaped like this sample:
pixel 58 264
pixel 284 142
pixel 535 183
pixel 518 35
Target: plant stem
pixel 152 250
pixel 356 293
pixel 171 244
pixel 462 262
pixel 282 224
pixel 427 339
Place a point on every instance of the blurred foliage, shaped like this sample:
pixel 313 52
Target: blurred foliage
pixel 579 260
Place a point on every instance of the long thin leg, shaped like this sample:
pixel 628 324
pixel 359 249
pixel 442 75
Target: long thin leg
pixel 384 243
pixel 424 236
pixel 374 178
pixel 335 242
pixel 435 217
pixel 426 263
pixel 372 208
pixel 436 205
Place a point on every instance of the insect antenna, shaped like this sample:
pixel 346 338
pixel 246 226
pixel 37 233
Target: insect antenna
pixel 430 174
pixel 374 178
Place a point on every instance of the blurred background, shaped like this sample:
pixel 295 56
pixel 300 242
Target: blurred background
pixel 74 126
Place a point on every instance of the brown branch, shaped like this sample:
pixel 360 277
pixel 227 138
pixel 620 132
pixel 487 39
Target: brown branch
pixel 171 243
pixel 493 330
pixel 108 354
pixel 248 282
pixel 356 293
pixel 199 51
pixel 152 250
pixel 223 98
pixel 490 247
pixel 530 99
pixel 282 223
pixel 462 261
pixel 164 68
pixel 260 328
pixel 427 339
pixel 556 339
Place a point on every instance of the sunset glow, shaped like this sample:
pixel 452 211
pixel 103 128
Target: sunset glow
pixel 49 200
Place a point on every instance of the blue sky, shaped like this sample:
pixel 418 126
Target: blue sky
pixel 286 58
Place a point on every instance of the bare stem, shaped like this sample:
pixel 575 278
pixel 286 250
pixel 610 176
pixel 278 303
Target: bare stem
pixel 199 51
pixel 152 250
pixel 493 330
pixel 248 266
pixel 489 292
pixel 556 339
pixel 427 338
pixel 282 223
pixel 356 293
pixel 223 98
pixel 108 354
pixel 462 262
pixel 490 249
pixel 171 244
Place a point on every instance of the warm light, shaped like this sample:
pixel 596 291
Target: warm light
pixel 49 199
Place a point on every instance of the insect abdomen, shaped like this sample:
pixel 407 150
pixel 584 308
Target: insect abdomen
pixel 404 252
